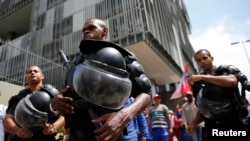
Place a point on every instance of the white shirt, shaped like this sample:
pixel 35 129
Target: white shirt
pixel 2 115
pixel 189 113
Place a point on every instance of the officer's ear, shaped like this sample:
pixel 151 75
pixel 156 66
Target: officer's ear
pixel 212 58
pixel 105 32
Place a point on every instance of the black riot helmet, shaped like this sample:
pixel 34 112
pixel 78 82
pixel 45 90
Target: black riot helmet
pixel 101 78
pixel 110 56
pixel 32 111
pixel 40 100
pixel 104 52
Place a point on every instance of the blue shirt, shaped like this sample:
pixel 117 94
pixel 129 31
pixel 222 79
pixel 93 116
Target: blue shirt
pixel 137 126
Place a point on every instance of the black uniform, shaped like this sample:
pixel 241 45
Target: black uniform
pixel 79 125
pixel 221 107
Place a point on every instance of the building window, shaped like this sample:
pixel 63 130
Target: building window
pixel 139 37
pixel 67 26
pixel 58 12
pixel 124 41
pixel 56 30
pixel 40 21
pixel 131 39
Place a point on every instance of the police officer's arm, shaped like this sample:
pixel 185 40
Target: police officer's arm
pixel 141 85
pixel 222 80
pixel 61 104
pixel 11 127
pixel 59 123
pixel 10 124
pixel 52 128
pixel 140 103
pixel 115 122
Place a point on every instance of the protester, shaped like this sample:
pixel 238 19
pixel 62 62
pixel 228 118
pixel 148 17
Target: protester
pixel 217 96
pixel 47 131
pixel 80 125
pixel 160 120
pixel 145 113
pixel 178 113
pixel 137 128
pixel 2 115
pixel 189 111
pixel 176 124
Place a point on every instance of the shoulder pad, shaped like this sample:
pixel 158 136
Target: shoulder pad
pixel 226 69
pixel 232 69
pixel 220 70
pixel 24 91
pixel 135 68
pixel 51 90
pixel 130 58
pixel 144 83
pixel 137 72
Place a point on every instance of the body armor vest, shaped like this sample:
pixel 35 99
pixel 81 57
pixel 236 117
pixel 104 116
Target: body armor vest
pixel 216 102
pixel 104 76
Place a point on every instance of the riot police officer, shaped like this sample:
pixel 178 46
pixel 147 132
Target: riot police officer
pixel 218 98
pixel 28 117
pixel 79 123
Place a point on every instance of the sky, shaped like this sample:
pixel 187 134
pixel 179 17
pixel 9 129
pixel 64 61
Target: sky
pixel 215 24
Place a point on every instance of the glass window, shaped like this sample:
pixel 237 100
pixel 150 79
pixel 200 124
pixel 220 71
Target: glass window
pixel 67 26
pixel 40 21
pixel 131 39
pixel 139 37
pixel 124 41
pixel 56 30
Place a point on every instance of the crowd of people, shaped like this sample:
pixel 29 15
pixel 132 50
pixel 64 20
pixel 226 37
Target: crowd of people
pixel 130 113
pixel 156 122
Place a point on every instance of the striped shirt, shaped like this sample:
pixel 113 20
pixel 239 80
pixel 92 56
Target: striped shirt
pixel 158 116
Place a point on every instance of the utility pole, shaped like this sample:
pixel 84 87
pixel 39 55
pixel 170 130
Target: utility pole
pixel 244 47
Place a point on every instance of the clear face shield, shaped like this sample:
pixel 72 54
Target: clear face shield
pixel 29 117
pixel 101 84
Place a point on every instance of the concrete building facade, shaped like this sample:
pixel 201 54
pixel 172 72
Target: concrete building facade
pixel 155 30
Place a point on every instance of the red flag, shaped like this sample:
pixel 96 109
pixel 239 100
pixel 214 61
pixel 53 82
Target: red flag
pixel 177 92
pixel 183 86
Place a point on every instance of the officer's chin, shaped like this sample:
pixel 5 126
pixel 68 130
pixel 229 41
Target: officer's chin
pixel 88 37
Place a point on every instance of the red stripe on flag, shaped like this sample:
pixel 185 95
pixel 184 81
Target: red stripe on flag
pixel 183 86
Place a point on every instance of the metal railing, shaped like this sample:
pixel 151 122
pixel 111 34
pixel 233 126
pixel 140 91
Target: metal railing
pixel 14 61
pixel 13 8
